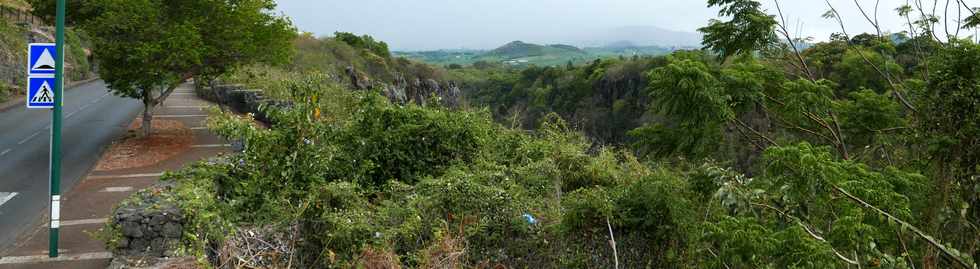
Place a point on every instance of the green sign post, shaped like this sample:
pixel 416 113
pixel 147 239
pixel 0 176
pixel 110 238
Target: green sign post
pixel 56 117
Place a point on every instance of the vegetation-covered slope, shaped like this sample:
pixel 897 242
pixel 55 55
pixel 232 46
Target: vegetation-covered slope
pixel 18 4
pixel 11 67
pixel 518 49
pixel 858 152
pixel 14 36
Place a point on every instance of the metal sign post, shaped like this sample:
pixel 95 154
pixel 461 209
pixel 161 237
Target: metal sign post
pixel 56 117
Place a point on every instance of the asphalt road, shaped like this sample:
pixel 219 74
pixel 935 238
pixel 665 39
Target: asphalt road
pixel 93 118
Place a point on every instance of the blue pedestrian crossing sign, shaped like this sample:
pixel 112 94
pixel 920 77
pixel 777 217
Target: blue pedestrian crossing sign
pixel 41 61
pixel 40 92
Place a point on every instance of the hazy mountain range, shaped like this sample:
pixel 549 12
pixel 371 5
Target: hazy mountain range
pixel 624 36
pixel 636 36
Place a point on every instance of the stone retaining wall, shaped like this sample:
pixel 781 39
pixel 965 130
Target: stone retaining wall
pixel 149 226
pixel 240 99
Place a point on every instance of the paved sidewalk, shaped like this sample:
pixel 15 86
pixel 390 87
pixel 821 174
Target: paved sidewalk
pixel 86 207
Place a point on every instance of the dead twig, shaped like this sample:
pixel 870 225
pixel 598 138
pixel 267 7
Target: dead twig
pixel 612 242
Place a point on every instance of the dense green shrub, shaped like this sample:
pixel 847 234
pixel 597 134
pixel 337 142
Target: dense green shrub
pixel 403 178
pixel 387 142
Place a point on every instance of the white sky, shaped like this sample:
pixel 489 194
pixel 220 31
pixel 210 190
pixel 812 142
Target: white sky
pixel 435 24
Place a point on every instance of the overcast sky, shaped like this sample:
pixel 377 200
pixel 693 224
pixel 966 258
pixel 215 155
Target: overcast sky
pixel 481 24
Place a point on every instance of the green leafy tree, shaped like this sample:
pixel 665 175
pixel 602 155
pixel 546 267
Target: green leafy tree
pixel 186 39
pixel 379 48
pixel 852 71
pixel 950 125
pixel 749 29
pixel 78 10
pixel 695 106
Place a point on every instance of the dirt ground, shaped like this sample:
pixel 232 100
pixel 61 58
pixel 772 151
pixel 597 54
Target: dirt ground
pixel 169 138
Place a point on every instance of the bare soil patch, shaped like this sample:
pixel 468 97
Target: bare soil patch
pixel 169 138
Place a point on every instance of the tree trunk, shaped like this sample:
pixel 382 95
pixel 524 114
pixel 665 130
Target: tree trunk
pixel 147 117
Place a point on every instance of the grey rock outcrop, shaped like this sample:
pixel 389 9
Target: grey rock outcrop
pixel 422 92
pixel 148 226
pixel 242 100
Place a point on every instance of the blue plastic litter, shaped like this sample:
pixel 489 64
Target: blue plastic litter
pixel 530 219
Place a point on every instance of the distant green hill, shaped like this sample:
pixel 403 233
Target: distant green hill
pixel 519 49
pixel 519 53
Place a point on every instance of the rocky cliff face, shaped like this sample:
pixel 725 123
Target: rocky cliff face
pixel 421 91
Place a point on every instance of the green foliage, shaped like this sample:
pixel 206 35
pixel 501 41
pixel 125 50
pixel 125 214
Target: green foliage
pixel 694 106
pixel 407 143
pixel 686 89
pixel 952 115
pixel 13 59
pixel 379 48
pixel 207 220
pixel 973 21
pixel 333 56
pixel 11 43
pixel 852 72
pixel 744 163
pixel 867 114
pixel 403 177
pixel 46 10
pixel 77 57
pixel 750 29
pixel 746 243
pixel 805 99
pixel 748 81
pixel 949 129
pixel 605 98
pixel 186 39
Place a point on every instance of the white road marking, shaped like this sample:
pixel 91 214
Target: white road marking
pixel 117 189
pixel 83 222
pixel 126 176
pixel 179 116
pixel 188 106
pixel 192 128
pixel 5 152
pixel 6 196
pixel 70 115
pixel 28 138
pixel 212 146
pixel 62 258
pixel 60 251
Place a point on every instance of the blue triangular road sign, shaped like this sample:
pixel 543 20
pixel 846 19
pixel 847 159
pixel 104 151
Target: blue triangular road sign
pixel 40 92
pixel 42 57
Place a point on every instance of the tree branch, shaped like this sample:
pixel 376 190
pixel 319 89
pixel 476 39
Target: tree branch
pixel 932 241
pixel 757 133
pixel 895 89
pixel 170 89
pixel 808 231
pixel 796 51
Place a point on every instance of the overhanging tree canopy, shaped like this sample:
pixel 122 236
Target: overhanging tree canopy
pixel 146 48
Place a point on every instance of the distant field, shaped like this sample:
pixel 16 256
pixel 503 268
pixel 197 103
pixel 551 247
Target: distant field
pixel 528 56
